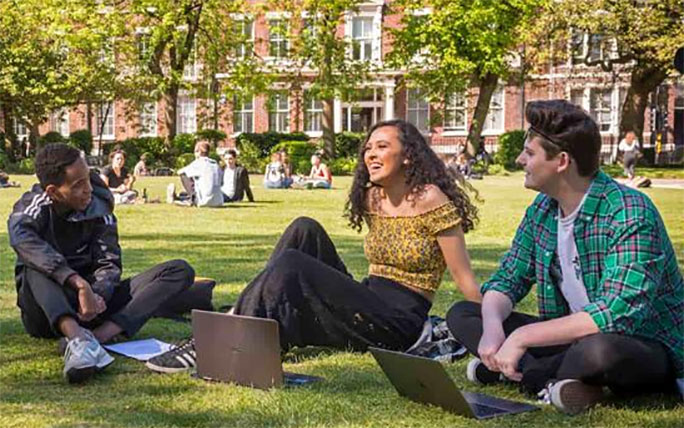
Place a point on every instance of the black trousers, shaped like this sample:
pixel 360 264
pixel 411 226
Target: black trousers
pixel 626 364
pixel 307 289
pixel 43 301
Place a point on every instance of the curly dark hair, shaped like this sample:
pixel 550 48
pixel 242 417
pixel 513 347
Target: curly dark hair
pixel 52 162
pixel 424 168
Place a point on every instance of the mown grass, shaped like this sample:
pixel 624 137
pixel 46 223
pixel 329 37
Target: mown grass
pixel 231 245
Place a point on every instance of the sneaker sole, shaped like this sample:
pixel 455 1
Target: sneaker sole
pixel 575 397
pixel 80 375
pixel 169 370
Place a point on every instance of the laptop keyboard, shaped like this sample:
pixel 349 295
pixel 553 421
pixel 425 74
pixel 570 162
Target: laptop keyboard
pixel 482 410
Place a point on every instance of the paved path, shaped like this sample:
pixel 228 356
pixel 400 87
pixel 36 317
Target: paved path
pixel 663 183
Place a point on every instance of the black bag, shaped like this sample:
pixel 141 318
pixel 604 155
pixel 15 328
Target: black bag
pixel 197 296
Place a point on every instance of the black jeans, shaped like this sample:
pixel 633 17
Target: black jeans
pixel 625 364
pixel 307 289
pixel 43 301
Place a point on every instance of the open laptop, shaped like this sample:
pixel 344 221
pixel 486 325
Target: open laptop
pixel 425 380
pixel 240 349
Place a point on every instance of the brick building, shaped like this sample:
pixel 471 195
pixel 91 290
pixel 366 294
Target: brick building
pixel 383 97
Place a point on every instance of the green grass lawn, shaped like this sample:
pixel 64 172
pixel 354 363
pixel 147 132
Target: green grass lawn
pixel 231 245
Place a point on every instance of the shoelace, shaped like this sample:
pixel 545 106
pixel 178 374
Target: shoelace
pixel 184 346
pixel 544 395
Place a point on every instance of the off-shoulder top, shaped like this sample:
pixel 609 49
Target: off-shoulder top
pixel 405 248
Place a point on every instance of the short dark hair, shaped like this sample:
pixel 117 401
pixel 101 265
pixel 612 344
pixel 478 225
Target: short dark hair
pixel 563 126
pixel 231 152
pixel 52 162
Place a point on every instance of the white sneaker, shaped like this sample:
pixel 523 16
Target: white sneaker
pixel 170 193
pixel 84 357
pixel 572 396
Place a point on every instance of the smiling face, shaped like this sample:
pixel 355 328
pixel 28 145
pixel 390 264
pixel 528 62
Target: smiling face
pixel 118 160
pixel 540 172
pixel 384 156
pixel 76 191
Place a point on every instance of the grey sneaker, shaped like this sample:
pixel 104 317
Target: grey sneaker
pixel 477 372
pixel 84 357
pixel 170 193
pixel 572 396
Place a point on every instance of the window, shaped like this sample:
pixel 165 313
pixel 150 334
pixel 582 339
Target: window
pixel 595 47
pixel 243 115
pixel 577 46
pixel 279 113
pixel 600 107
pixel 362 38
pixel 245 30
pixel 455 113
pixel 148 120
pixel 186 115
pixel 143 46
pixel 313 113
pixel 20 129
pixel 105 120
pixel 418 109
pixel 577 97
pixel 495 117
pixel 59 122
pixel 278 44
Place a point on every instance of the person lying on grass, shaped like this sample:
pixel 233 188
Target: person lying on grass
pixel 609 291
pixel 68 269
pixel 416 214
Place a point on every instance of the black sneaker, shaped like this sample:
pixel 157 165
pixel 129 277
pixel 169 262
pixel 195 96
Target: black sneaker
pixel 477 372
pixel 178 359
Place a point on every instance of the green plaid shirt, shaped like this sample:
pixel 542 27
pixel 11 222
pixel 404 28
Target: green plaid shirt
pixel 628 265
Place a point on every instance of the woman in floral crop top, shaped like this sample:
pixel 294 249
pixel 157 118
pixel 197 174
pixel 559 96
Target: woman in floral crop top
pixel 416 213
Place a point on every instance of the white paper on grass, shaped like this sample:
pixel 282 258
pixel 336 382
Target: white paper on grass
pixel 141 350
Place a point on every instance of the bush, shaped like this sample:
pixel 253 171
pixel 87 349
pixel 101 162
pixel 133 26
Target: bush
pixel 135 147
pixel 82 140
pixel 213 135
pixel 184 143
pixel 497 169
pixel 266 141
pixel 53 137
pixel 26 166
pixel 4 160
pixel 184 160
pixel 343 165
pixel 347 144
pixel 300 154
pixel 509 147
pixel 250 157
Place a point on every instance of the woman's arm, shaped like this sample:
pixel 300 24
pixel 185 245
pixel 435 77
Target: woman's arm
pixel 452 243
pixel 105 179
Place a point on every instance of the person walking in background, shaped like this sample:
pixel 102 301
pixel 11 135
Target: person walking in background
pixel 629 146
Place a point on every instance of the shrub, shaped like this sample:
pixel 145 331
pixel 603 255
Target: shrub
pixel 26 166
pixel 213 135
pixel 184 160
pixel 497 169
pixel 4 160
pixel 82 139
pixel 250 157
pixel 135 147
pixel 52 137
pixel 300 154
pixel 184 143
pixel 266 141
pixel 509 147
pixel 347 144
pixel 343 165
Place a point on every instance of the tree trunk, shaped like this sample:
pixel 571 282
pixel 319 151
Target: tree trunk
pixel 34 134
pixel 10 143
pixel 328 126
pixel 170 113
pixel 487 85
pixel 644 80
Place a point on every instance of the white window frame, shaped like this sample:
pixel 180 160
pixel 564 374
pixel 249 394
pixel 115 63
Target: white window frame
pixel 496 125
pixel 600 112
pixel 607 50
pixel 277 37
pixel 59 122
pixel 148 119
pixel 585 93
pixel 108 130
pixel 313 114
pixel 370 10
pixel 240 115
pixel 186 115
pixel 364 41
pixel 416 107
pixel 457 102
pixel 278 117
pixel 20 128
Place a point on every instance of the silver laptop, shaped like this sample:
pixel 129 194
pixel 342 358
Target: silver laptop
pixel 240 349
pixel 425 380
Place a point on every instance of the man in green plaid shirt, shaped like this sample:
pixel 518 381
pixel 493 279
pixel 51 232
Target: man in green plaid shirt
pixel 609 290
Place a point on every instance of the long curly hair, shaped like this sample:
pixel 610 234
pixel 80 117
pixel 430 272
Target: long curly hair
pixel 424 168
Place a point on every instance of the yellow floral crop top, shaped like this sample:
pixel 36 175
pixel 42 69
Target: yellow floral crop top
pixel 405 249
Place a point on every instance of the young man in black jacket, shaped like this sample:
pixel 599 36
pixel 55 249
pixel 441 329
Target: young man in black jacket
pixel 235 179
pixel 68 270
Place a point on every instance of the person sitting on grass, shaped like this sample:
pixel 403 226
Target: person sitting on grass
pixel 274 174
pixel 116 177
pixel 201 180
pixel 68 269
pixel 235 179
pixel 319 177
pixel 610 294
pixel 416 214
pixel 140 169
pixel 5 181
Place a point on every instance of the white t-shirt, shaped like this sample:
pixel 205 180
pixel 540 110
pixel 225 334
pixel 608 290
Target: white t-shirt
pixel 228 187
pixel 206 174
pixel 624 146
pixel 572 284
pixel 274 172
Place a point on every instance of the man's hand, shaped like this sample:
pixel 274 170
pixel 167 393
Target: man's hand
pixel 90 304
pixel 490 342
pixel 508 357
